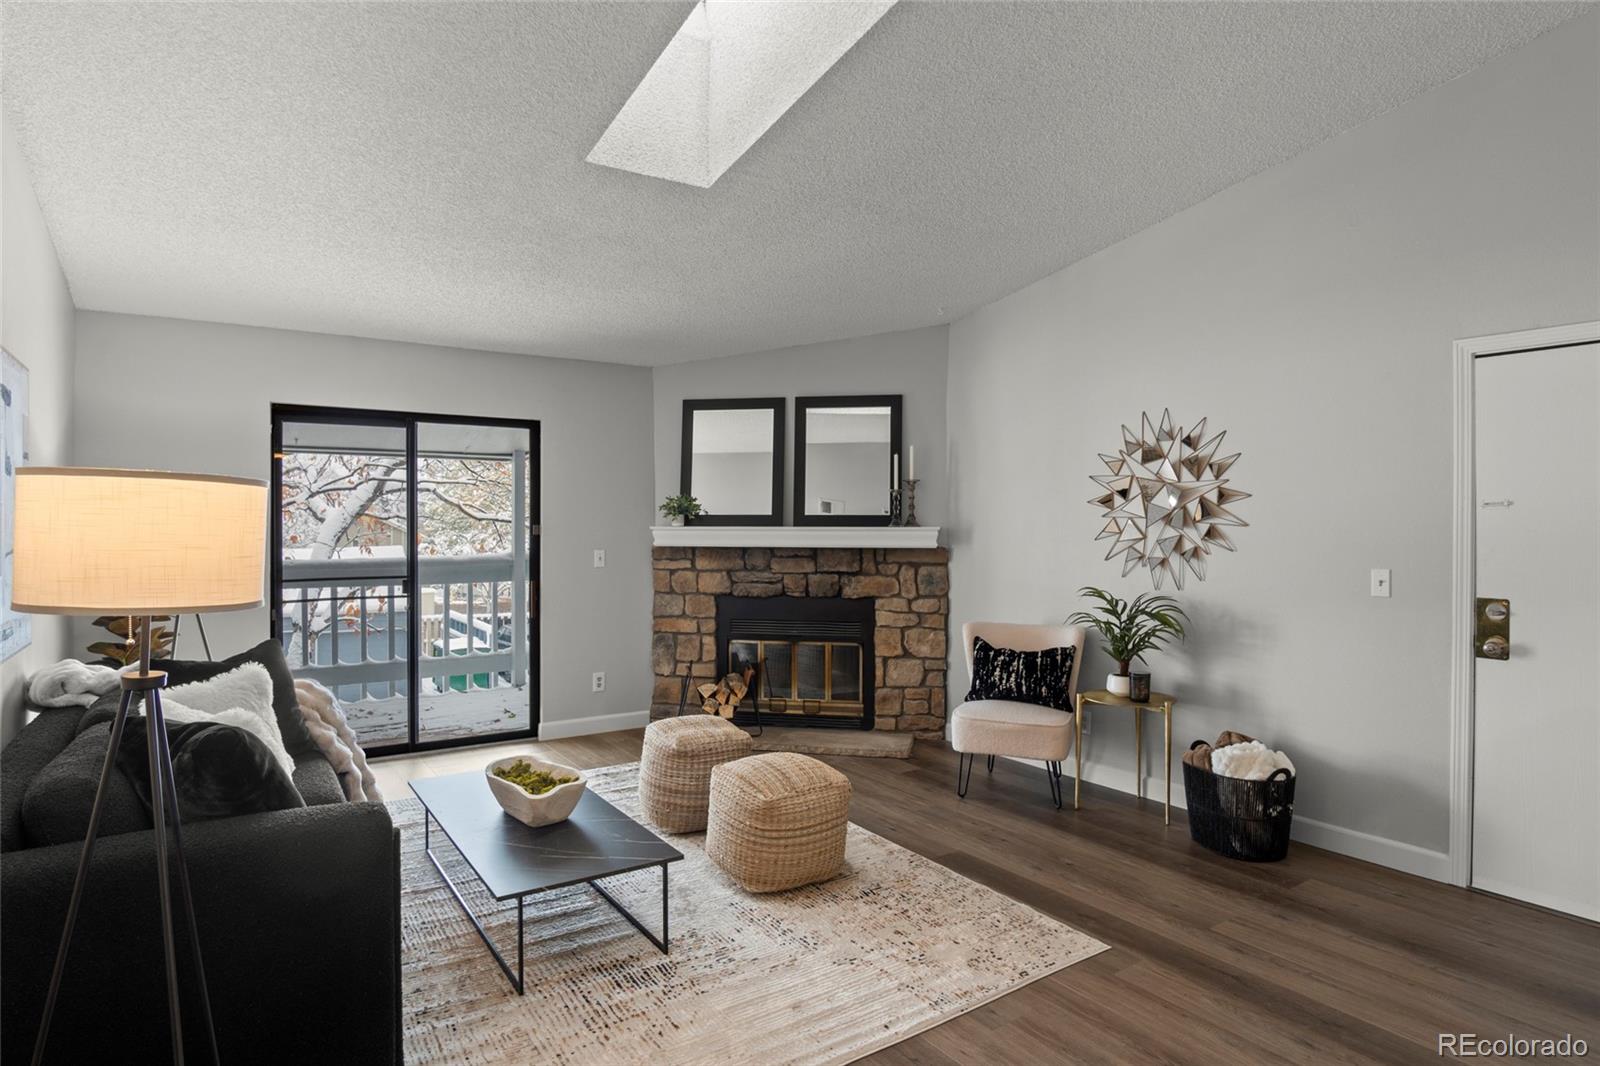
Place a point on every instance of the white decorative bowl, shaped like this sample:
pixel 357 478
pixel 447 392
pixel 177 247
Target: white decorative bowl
pixel 547 809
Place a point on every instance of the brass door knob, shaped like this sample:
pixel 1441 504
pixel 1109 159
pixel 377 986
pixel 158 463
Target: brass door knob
pixel 1492 638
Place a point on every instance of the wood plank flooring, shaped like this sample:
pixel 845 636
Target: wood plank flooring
pixel 1317 959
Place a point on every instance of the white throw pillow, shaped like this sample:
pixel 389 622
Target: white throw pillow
pixel 241 697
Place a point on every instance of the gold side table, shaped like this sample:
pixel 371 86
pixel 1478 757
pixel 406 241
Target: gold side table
pixel 1158 701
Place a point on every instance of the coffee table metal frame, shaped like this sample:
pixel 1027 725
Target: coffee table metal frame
pixel 516 978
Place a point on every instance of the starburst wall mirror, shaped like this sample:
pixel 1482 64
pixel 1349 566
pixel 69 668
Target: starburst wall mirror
pixel 1167 500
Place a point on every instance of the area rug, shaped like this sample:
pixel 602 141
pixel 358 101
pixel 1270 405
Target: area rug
pixel 823 974
pixel 867 743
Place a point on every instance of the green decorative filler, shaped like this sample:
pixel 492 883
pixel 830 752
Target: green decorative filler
pixel 534 782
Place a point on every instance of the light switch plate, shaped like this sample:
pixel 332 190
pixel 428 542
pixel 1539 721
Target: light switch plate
pixel 1380 583
pixel 599 558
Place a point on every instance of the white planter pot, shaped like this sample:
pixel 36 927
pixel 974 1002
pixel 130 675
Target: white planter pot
pixel 1117 684
pixel 675 520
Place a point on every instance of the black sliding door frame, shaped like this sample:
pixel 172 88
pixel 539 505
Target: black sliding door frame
pixel 409 422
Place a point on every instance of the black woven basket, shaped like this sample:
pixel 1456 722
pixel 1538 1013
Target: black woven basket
pixel 1241 819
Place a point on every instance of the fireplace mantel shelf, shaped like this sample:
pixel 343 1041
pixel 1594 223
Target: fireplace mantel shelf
pixel 794 536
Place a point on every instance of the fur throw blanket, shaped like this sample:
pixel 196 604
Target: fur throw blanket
pixel 1251 760
pixel 325 721
pixel 71 683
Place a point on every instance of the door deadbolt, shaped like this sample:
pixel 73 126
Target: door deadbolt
pixel 1491 637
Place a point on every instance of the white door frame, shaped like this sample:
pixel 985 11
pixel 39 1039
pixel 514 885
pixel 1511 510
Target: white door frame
pixel 1463 570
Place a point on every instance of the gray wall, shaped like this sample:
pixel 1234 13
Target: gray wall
pixel 164 393
pixel 911 362
pixel 1309 311
pixel 36 321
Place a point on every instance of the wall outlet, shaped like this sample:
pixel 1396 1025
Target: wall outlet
pixel 599 558
pixel 1380 583
pixel 598 682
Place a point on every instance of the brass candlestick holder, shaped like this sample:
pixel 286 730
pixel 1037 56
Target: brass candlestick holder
pixel 910 517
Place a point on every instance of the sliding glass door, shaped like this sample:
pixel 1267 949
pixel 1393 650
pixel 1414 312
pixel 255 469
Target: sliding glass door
pixel 406 570
pixel 475 484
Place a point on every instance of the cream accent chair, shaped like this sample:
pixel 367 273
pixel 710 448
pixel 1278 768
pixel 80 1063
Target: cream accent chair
pixel 1022 730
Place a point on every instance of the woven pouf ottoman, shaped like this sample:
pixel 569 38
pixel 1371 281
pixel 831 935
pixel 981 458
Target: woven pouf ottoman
pixel 675 768
pixel 777 821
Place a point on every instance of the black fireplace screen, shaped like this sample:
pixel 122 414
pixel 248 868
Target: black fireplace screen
pixel 810 655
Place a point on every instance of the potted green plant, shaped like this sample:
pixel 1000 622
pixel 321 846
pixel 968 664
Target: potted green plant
pixel 680 508
pixel 1129 628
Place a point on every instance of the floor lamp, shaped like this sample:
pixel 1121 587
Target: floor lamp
pixel 137 543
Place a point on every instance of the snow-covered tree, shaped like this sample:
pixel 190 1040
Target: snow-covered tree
pixel 338 504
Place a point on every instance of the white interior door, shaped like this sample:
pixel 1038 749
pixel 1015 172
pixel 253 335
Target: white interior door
pixel 1536 752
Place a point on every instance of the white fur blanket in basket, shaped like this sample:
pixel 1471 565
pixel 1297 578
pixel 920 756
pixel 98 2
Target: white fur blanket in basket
pixel 1253 761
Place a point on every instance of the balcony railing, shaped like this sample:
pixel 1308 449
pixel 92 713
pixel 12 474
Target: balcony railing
pixel 344 623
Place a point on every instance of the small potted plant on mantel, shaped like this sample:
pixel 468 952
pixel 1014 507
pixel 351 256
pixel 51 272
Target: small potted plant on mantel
pixel 680 508
pixel 1130 628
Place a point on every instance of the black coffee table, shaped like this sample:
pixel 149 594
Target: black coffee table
pixel 515 862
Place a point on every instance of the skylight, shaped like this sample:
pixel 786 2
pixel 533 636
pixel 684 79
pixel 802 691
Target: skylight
pixel 732 69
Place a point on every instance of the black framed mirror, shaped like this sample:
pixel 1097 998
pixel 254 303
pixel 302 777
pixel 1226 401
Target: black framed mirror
pixel 844 450
pixel 733 460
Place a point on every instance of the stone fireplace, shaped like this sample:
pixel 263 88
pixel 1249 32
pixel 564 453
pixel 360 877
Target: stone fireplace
pixel 847 637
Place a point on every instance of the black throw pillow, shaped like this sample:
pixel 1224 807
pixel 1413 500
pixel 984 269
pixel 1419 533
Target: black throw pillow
pixel 285 704
pixel 1041 677
pixel 218 770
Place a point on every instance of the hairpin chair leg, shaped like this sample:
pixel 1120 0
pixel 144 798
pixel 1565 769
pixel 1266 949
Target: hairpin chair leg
pixel 964 762
pixel 991 764
pixel 1052 772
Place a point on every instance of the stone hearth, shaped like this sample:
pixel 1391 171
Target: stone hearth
pixel 910 588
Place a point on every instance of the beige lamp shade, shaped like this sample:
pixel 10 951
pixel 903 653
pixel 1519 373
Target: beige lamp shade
pixel 140 542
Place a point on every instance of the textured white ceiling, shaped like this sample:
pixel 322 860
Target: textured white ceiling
pixel 416 171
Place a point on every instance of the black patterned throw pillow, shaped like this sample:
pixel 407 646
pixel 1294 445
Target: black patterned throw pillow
pixel 1040 677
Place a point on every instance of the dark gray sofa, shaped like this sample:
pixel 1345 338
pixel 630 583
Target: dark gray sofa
pixel 298 913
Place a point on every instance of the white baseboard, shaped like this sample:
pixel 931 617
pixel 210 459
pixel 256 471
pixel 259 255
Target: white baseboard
pixel 1395 854
pixel 599 723
pixel 1117 778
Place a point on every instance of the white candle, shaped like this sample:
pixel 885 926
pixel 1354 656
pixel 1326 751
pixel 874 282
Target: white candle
pixel 894 478
pixel 911 464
